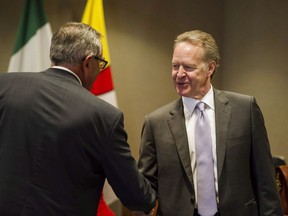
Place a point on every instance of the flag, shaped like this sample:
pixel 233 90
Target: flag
pixel 31 51
pixel 103 85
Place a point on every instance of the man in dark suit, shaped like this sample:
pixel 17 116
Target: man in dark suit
pixel 244 183
pixel 58 142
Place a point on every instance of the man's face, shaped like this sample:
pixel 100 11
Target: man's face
pixel 190 74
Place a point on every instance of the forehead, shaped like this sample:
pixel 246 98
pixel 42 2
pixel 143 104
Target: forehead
pixel 188 51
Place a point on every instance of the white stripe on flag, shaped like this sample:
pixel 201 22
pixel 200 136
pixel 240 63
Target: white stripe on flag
pixel 34 55
pixel 109 97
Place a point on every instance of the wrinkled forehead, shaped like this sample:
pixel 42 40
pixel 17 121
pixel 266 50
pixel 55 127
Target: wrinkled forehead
pixel 189 50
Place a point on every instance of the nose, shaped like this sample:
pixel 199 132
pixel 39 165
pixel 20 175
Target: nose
pixel 181 72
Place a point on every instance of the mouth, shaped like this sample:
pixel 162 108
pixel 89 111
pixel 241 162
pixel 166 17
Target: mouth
pixel 182 83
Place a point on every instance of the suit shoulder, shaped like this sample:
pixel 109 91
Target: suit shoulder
pixel 167 109
pixel 6 75
pixel 18 79
pixel 105 107
pixel 235 97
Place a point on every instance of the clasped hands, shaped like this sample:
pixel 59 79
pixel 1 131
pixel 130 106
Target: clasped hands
pixel 153 212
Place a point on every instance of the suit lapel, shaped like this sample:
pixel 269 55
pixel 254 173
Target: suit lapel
pixel 178 131
pixel 177 127
pixel 222 118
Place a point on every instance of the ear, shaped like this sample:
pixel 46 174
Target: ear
pixel 211 68
pixel 85 71
pixel 86 63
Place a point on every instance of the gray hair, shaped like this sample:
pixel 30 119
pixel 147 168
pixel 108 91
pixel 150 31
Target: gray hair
pixel 72 42
pixel 203 39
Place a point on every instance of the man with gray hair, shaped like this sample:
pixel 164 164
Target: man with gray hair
pixel 58 142
pixel 207 153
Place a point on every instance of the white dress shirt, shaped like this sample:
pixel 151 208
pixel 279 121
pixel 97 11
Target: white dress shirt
pixel 190 122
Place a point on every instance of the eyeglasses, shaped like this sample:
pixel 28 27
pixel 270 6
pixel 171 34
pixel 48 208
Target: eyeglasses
pixel 103 63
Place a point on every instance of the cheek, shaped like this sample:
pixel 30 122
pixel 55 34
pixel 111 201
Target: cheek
pixel 174 75
pixel 195 76
pixel 95 75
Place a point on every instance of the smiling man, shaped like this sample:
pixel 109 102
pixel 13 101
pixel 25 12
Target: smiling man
pixel 207 153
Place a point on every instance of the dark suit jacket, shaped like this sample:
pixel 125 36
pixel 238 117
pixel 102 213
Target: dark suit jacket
pixel 58 142
pixel 245 170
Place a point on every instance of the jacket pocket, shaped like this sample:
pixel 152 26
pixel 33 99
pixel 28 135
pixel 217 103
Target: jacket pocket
pixel 251 208
pixel 251 202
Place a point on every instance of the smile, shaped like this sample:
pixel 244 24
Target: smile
pixel 181 84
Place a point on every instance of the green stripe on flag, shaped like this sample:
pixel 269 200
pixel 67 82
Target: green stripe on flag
pixel 33 17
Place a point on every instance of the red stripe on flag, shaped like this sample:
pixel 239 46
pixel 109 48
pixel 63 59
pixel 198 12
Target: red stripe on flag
pixel 103 83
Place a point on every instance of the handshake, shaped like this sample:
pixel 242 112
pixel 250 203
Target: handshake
pixel 153 212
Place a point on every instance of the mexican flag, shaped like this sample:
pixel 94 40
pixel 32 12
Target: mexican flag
pixel 31 51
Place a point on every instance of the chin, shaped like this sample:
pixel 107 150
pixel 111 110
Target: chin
pixel 183 93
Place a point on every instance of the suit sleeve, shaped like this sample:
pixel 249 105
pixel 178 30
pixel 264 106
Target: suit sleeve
pixel 147 163
pixel 122 172
pixel 267 193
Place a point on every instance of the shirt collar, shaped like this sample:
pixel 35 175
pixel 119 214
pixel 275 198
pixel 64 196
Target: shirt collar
pixel 190 103
pixel 69 71
pixel 209 98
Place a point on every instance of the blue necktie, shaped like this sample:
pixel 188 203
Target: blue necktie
pixel 207 205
